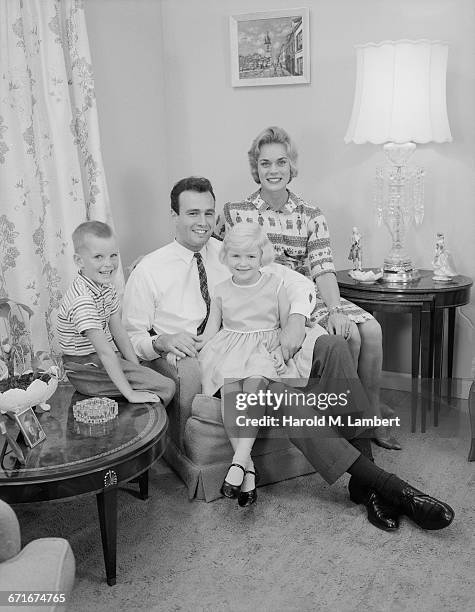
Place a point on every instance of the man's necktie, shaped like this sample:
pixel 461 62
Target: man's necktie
pixel 203 289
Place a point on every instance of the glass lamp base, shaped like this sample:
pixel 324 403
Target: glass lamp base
pixel 400 276
pixel 398 267
pixel 397 263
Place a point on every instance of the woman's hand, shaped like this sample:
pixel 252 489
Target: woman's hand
pixel 339 324
pixel 278 361
pixel 292 336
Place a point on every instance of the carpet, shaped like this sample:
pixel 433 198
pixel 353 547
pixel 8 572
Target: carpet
pixel 303 546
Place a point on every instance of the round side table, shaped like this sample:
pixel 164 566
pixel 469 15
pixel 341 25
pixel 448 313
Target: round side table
pixel 427 301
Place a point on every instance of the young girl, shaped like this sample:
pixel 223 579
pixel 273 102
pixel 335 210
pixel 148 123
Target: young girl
pixel 241 343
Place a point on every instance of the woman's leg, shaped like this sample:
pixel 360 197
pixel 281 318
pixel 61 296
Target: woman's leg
pixel 369 370
pixel 370 361
pixel 354 342
pixel 366 347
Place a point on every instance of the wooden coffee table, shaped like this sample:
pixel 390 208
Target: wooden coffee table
pixel 77 458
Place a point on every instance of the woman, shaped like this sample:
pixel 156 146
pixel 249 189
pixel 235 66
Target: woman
pixel 301 240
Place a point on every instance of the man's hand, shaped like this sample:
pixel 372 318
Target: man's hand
pixel 182 344
pixel 292 335
pixel 142 397
pixel 339 325
pixel 202 340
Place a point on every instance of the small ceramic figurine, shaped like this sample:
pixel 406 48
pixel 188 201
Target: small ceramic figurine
pixel 443 266
pixel 355 250
pixel 3 370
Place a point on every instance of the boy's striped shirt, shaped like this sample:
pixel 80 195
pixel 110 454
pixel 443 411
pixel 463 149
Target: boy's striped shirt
pixel 85 305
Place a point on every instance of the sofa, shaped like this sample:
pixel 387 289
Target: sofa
pixel 199 450
pixel 43 565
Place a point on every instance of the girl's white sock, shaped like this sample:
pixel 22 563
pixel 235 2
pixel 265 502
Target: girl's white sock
pixel 249 481
pixel 241 457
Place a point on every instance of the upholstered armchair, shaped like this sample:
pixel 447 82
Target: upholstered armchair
pixel 46 564
pixel 199 450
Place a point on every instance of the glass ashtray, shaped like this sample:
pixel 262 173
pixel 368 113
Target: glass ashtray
pixel 95 430
pixel 95 410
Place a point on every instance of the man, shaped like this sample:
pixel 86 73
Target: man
pixel 168 295
pixel 163 292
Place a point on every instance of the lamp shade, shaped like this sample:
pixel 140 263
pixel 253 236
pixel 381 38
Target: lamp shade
pixel 400 93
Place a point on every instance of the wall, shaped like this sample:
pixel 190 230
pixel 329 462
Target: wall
pixel 204 126
pixel 126 43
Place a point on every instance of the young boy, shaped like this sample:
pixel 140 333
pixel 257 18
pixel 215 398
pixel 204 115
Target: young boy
pixel 97 352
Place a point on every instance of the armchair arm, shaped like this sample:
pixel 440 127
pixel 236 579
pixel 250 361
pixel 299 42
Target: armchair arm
pixel 46 564
pixel 9 533
pixel 187 377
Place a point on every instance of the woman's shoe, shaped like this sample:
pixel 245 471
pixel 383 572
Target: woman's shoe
pixel 229 490
pixel 390 443
pixel 384 439
pixel 386 411
pixel 247 498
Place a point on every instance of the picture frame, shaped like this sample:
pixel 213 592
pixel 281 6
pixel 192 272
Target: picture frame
pixel 270 48
pixel 9 441
pixel 30 427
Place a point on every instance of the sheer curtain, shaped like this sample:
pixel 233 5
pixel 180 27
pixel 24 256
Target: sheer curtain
pixel 51 171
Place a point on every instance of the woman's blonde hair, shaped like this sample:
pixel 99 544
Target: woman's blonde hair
pixel 247 236
pixel 272 135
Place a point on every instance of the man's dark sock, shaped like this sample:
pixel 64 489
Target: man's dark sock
pixel 367 475
pixel 364 446
pixel 391 487
pixel 357 490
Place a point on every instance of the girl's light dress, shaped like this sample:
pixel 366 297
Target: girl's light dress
pixel 301 240
pixel 249 342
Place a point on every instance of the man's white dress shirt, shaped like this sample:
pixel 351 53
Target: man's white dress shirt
pixel 163 293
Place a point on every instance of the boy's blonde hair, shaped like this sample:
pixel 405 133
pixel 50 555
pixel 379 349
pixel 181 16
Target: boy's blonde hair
pixel 90 228
pixel 247 236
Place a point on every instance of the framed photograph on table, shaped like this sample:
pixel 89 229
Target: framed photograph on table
pixel 30 427
pixel 270 48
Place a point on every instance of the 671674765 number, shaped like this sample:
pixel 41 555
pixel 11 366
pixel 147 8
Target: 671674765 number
pixel 31 598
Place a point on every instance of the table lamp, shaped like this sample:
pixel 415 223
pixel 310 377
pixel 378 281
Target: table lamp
pixel 400 100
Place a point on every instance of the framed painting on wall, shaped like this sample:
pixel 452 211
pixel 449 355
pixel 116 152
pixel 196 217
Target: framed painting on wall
pixel 270 48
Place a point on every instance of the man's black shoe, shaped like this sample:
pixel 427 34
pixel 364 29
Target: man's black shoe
pixel 380 513
pixel 424 510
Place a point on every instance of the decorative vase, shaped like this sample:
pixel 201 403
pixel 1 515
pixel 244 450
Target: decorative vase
pixel 36 393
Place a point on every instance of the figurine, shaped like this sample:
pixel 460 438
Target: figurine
pixel 443 266
pixel 3 370
pixel 355 250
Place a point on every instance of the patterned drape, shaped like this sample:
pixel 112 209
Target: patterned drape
pixel 51 171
